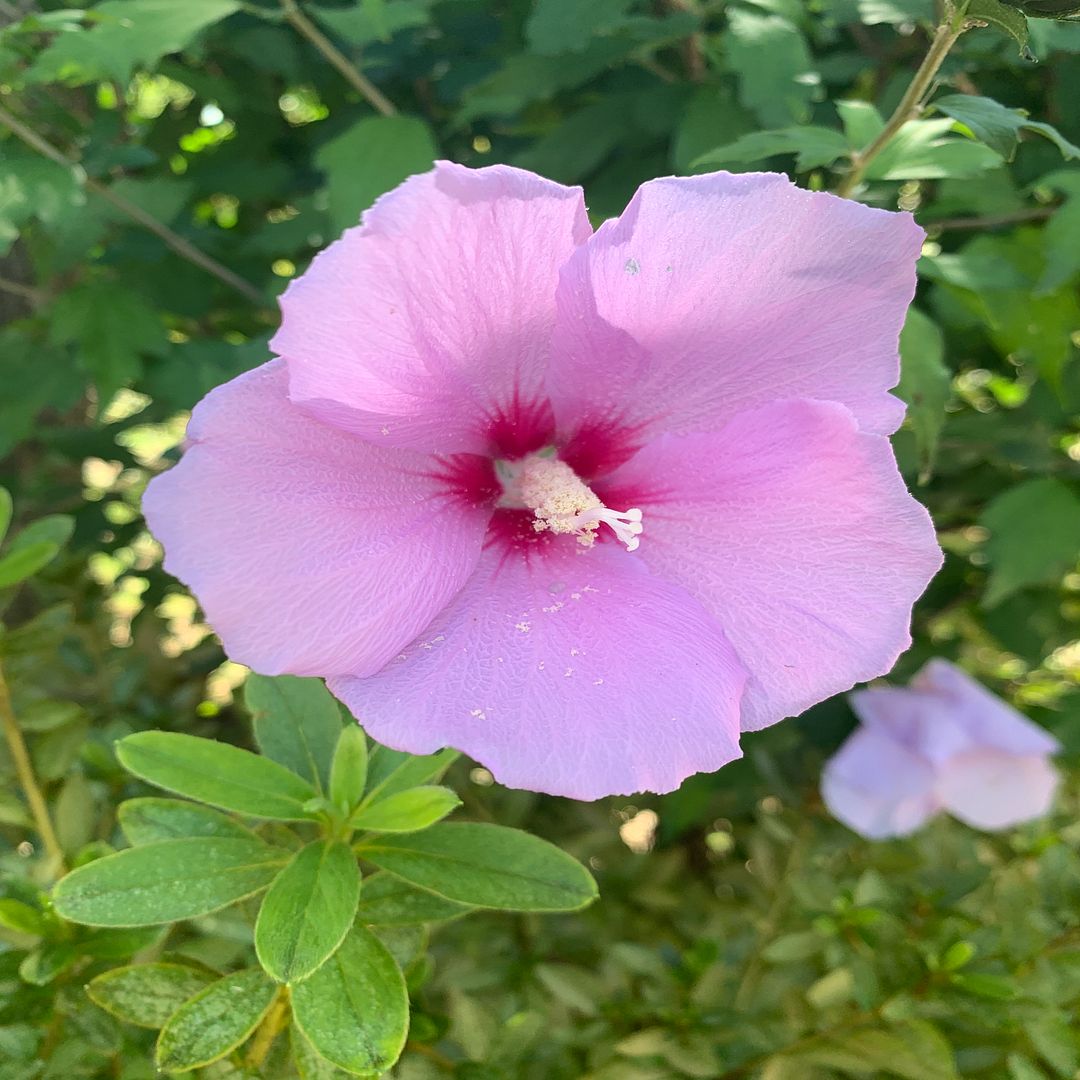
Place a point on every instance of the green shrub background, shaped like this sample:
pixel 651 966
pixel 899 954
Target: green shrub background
pixel 167 167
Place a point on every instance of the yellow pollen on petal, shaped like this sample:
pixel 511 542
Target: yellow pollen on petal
pixel 563 503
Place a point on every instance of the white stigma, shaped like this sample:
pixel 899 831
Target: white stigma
pixel 563 503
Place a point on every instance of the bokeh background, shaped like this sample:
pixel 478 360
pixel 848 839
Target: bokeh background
pixel 166 168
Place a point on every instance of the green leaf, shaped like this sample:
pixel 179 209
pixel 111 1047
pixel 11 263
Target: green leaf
pixel 1005 17
pixel 307 911
pixel 388 901
pixel 925 384
pixel 1061 236
pixel 1054 1037
pixel 1033 536
pixel 215 1021
pixel 406 811
pixel 147 820
pixel 348 773
pixel 355 1009
pixel 487 866
pixel 297 723
pixel 126 34
pixel 914 1051
pixel 113 328
pixel 147 994
pixel 370 158
pixel 216 773
pixel 308 1063
pixel 390 771
pixel 814 147
pixel 22 918
pixel 926 150
pixel 5 512
pixel 166 881
pixel 999 126
pixel 995 987
pixel 567 26
pixel 19 565
pixel 365 23
pixel 779 91
pixel 1023 1068
pixel 790 948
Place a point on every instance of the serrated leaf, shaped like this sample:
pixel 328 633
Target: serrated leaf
pixel 1034 528
pixel 126 34
pixel 388 901
pixel 813 147
pixel 112 327
pixel 307 911
pixel 147 994
pixel 925 150
pixel 1003 17
pixel 147 820
pixel 216 1020
pixel 216 773
pixel 406 811
pixel 355 1009
pixel 370 158
pixel 487 866
pixel 999 126
pixel 166 881
pixel 348 772
pixel 567 26
pixel 778 92
pixel 297 723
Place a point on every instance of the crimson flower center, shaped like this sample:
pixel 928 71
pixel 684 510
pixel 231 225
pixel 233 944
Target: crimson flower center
pixel 561 502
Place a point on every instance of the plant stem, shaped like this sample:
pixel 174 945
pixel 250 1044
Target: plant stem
pixel 352 75
pixel 26 292
pixel 911 104
pixel 177 243
pixel 24 769
pixel 268 1030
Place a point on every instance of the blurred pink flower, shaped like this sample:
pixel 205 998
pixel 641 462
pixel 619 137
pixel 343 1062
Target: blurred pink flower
pixel 584 505
pixel 944 743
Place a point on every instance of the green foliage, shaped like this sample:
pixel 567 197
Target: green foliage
pixel 289 914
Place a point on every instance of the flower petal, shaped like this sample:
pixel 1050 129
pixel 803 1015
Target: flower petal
pixel 992 789
pixel 431 322
pixel 575 673
pixel 310 550
pixel 878 787
pixel 717 293
pixel 796 532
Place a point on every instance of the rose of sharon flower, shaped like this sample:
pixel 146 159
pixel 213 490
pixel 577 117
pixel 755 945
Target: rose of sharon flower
pixel 583 505
pixel 944 743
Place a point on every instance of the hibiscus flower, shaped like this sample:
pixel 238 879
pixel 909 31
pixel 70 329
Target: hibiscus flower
pixel 585 505
pixel 945 743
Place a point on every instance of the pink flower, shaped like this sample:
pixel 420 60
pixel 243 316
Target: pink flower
pixel 584 505
pixel 945 743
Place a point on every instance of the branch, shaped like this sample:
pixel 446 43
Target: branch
pixel 177 243
pixel 24 769
pixel 911 104
pixel 352 75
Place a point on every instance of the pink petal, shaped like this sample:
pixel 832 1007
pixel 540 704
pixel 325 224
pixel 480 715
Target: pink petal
pixel 991 789
pixel 573 672
pixel 432 320
pixel 987 719
pixel 310 550
pixel 714 294
pixel 796 532
pixel 877 787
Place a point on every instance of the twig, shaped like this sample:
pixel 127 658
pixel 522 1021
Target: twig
pixel 945 36
pixel 177 243
pixel 27 292
pixel 268 1030
pixel 24 769
pixel 352 75
pixel 993 221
